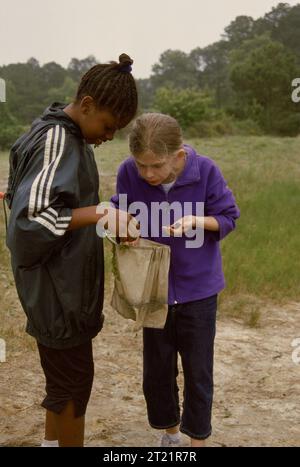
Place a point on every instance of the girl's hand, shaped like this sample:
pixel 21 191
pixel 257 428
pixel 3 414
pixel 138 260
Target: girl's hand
pixel 118 223
pixel 131 243
pixel 184 225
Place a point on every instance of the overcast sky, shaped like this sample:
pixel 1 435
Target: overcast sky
pixel 57 30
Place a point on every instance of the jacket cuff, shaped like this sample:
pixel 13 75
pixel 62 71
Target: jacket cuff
pixel 226 226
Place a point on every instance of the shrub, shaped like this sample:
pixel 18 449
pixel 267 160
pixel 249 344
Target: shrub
pixel 9 134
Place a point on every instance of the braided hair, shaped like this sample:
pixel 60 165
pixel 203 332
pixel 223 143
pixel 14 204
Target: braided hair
pixel 112 86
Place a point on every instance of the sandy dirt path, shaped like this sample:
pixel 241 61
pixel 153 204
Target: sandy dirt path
pixel 256 387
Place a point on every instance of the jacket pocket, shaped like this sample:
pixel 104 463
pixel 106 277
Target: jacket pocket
pixel 31 297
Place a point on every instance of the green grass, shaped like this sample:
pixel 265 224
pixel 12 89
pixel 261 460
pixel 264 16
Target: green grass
pixel 261 258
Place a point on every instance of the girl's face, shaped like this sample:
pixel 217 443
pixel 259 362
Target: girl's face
pixel 163 169
pixel 97 126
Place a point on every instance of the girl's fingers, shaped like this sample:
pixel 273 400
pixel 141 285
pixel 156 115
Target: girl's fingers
pixel 176 231
pixel 133 243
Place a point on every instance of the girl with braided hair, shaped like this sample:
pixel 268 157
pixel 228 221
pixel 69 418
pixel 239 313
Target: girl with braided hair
pixel 56 255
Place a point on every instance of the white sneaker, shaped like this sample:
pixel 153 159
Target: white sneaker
pixel 168 442
pixel 49 444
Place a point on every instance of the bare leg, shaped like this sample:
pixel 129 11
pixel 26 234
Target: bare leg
pixel 197 443
pixel 70 430
pixel 50 427
pixel 173 430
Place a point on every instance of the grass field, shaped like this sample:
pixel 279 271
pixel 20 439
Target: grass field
pixel 261 258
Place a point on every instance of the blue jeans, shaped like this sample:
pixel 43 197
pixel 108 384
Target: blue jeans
pixel 190 331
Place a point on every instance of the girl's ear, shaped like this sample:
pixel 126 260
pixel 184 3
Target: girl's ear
pixel 86 104
pixel 181 154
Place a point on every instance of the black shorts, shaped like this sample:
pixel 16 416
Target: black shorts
pixel 69 376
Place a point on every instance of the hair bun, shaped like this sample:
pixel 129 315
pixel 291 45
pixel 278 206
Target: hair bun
pixel 124 59
pixel 125 63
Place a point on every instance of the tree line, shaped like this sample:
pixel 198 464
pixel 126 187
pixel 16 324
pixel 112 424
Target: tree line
pixel 239 84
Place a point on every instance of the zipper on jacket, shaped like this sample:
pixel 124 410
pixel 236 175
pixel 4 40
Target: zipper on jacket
pixel 172 274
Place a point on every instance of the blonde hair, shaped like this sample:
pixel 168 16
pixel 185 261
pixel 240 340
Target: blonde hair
pixel 155 132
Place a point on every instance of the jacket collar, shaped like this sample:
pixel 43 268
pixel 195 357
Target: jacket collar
pixel 55 115
pixel 191 171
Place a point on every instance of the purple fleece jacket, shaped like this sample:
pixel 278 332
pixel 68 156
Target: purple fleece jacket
pixel 195 273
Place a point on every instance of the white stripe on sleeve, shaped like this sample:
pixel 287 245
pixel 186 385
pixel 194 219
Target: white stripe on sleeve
pixel 39 201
